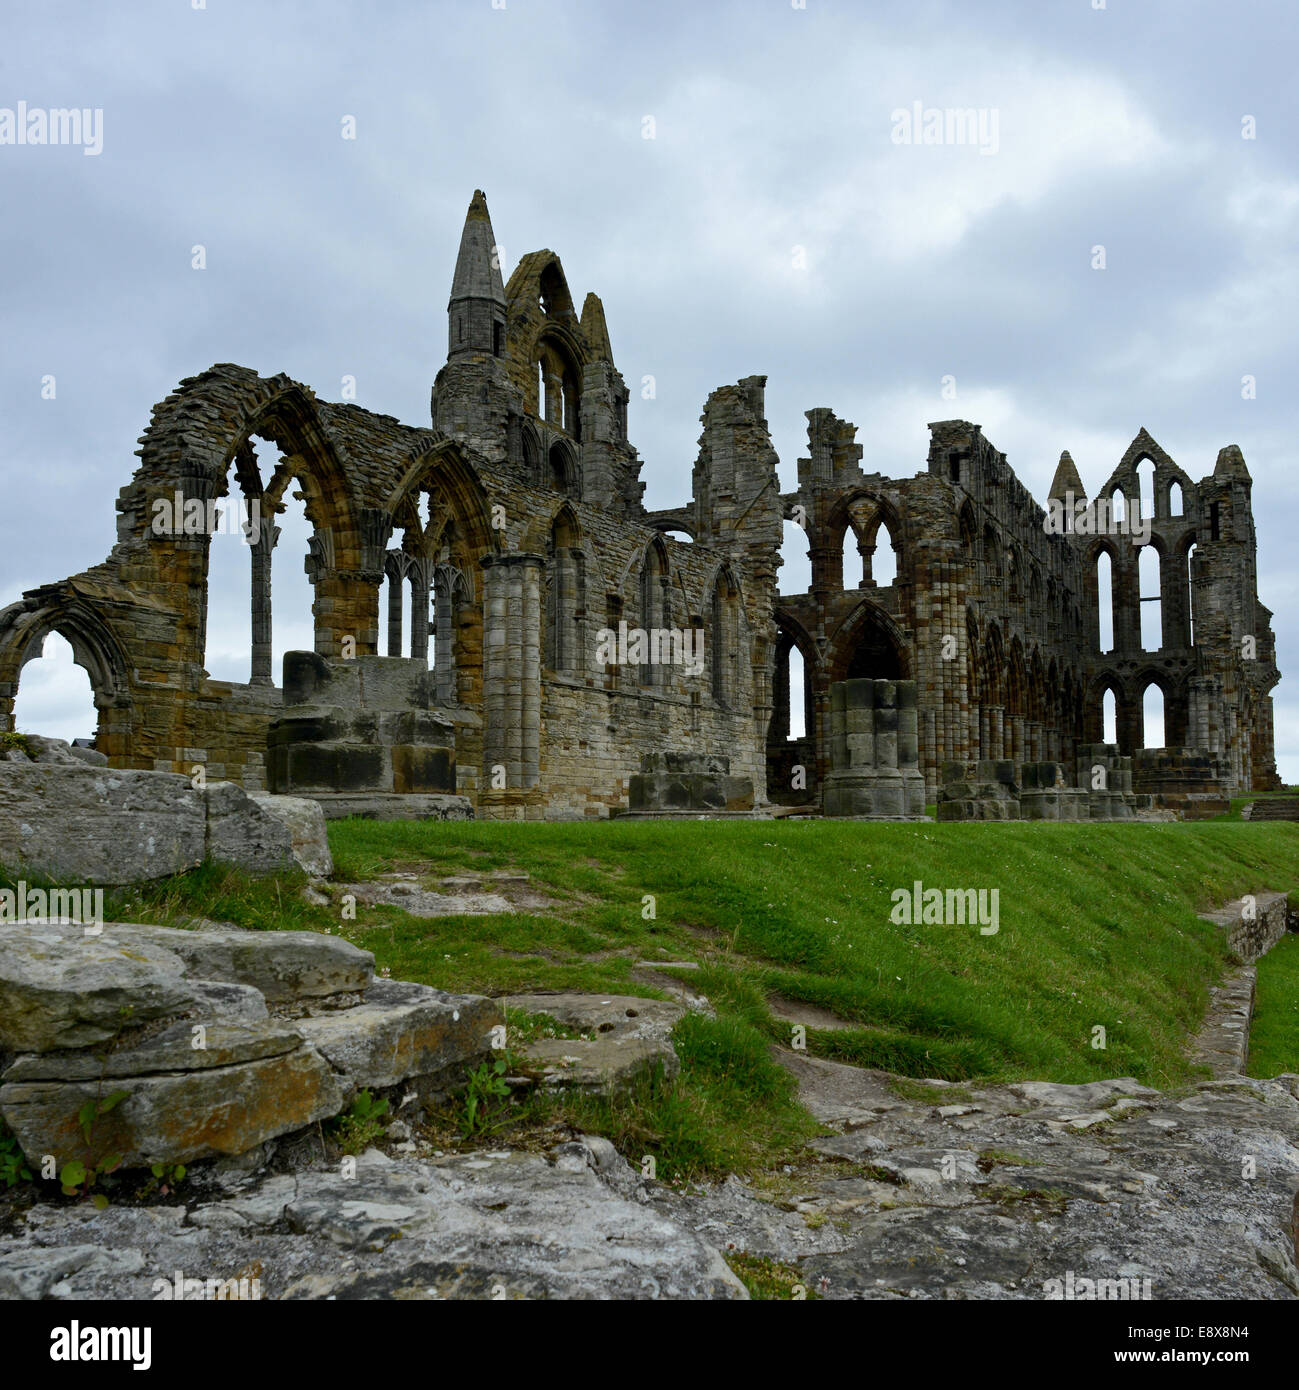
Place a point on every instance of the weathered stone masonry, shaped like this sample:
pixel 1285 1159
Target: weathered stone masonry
pixel 513 531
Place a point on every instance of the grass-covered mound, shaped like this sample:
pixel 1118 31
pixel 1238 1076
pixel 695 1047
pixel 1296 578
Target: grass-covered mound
pixel 1274 1038
pixel 1097 930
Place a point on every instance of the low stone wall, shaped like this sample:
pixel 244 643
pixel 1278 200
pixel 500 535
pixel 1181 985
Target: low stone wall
pixel 688 784
pixel 1191 781
pixel 1254 923
pixel 1003 790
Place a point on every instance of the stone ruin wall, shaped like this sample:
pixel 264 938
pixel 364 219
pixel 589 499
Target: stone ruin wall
pixel 517 521
pixel 996 619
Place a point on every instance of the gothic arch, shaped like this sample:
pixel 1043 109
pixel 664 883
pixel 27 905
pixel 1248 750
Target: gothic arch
pixel 445 470
pixel 873 626
pixel 95 645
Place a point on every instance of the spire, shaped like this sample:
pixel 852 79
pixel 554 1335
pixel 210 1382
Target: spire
pixel 476 277
pixel 476 310
pixel 595 330
pixel 1231 465
pixel 1066 480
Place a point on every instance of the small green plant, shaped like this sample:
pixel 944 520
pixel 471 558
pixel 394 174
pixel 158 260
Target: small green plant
pixel 79 1176
pixel 169 1175
pixel 90 1113
pixel 13 1166
pixel 361 1126
pixel 769 1279
pixel 12 739
pixel 486 1084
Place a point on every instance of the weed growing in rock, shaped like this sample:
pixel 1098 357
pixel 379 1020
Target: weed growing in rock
pixel 13 1166
pixel 487 1085
pixel 357 1130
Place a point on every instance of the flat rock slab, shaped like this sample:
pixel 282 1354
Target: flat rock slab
pixel 796 1011
pixel 624 1038
pixel 282 965
pixel 63 987
pixel 938 1191
pixel 626 1015
pixel 607 1065
pixel 177 1117
pixel 573 1224
pixel 401 1030
pixel 185 1046
pixel 178 1022
pixel 423 902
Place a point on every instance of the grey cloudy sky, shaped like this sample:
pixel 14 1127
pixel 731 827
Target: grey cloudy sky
pixel 329 258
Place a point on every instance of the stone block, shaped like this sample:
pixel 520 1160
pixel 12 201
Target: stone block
pixel 282 965
pixel 305 822
pixel 176 1117
pixel 60 987
pixel 402 1030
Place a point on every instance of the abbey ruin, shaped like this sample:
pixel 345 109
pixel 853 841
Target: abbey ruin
pixel 497 616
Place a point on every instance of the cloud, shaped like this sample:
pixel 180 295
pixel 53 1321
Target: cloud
pixel 771 226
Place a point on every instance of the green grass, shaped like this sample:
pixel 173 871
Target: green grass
pixel 770 1280
pixel 1238 803
pixel 1097 928
pixel 1274 1037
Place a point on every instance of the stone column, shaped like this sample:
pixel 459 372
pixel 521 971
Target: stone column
pixel 419 610
pixel 531 568
pixel 444 645
pixel 396 585
pixel 867 553
pixel 267 533
pixel 996 732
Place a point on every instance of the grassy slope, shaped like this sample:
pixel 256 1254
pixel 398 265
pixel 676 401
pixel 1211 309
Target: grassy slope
pixel 1097 927
pixel 1274 1038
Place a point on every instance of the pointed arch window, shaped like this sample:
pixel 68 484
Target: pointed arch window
pixel 653 608
pixel 724 658
pixel 565 600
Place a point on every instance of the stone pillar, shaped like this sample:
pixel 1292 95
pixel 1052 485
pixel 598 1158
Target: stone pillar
pixel 996 732
pixel 444 646
pixel 396 587
pixel 874 751
pixel 419 611
pixel 262 552
pixel 554 409
pixel 779 729
pixel 531 568
pixel 194 548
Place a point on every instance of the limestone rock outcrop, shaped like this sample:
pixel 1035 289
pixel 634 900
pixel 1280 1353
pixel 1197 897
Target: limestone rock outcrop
pixel 620 1039
pixel 213 1041
pixel 576 1223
